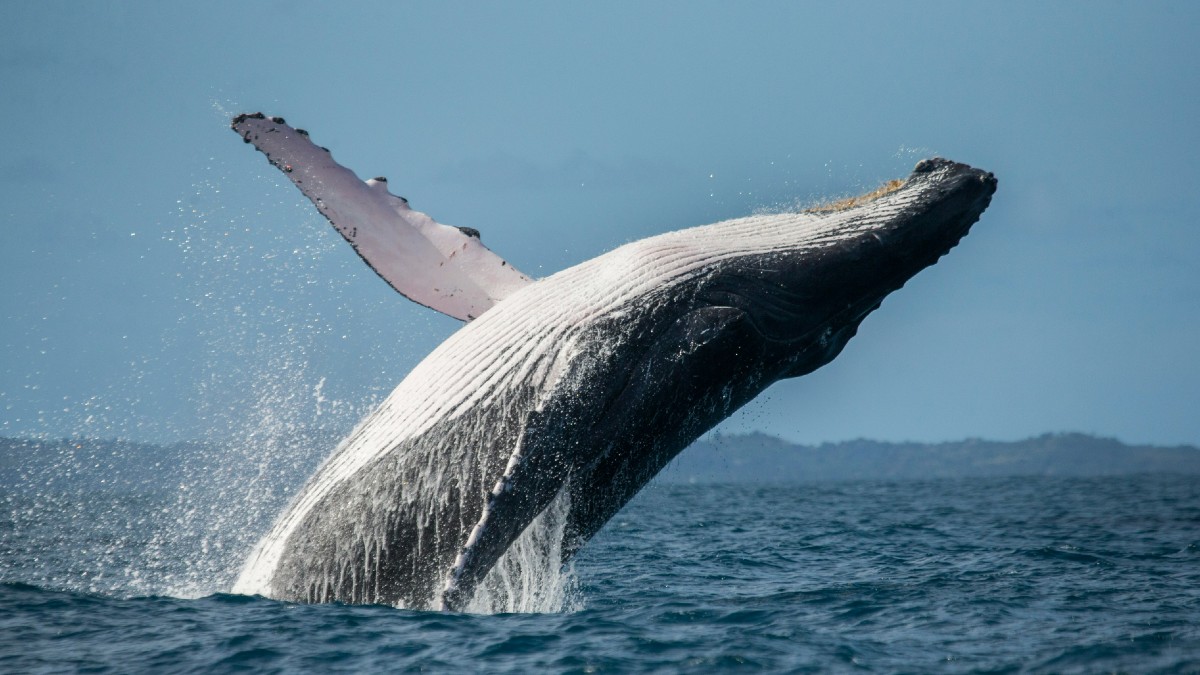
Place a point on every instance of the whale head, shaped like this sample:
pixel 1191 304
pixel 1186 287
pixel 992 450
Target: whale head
pixel 728 309
pixel 816 275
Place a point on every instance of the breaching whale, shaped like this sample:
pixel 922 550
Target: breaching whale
pixel 580 386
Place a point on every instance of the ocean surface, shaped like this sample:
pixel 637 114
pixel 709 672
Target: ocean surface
pixel 954 575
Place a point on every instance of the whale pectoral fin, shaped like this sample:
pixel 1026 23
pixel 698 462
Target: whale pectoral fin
pixel 531 481
pixel 442 267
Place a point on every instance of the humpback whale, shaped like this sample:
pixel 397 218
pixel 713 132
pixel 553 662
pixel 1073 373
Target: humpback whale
pixel 577 387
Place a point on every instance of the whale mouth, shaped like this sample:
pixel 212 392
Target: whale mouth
pixel 957 172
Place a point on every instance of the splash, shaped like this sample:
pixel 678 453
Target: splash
pixel 178 517
pixel 262 410
pixel 230 496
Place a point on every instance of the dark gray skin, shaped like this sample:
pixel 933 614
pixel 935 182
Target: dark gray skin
pixel 752 328
pixel 667 368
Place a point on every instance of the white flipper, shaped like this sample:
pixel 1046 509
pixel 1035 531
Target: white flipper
pixel 442 267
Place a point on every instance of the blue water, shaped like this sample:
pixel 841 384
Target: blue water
pixel 998 575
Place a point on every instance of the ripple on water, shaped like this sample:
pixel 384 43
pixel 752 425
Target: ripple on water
pixel 836 578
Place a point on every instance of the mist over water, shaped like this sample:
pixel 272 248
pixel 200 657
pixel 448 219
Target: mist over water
pixel 263 409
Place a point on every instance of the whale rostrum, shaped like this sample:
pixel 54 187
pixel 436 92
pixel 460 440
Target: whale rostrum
pixel 578 387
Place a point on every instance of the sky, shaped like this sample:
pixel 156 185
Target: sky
pixel 161 282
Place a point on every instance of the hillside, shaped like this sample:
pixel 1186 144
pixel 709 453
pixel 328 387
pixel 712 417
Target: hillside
pixel 285 463
pixel 759 457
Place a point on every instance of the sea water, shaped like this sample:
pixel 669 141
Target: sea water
pixel 1001 574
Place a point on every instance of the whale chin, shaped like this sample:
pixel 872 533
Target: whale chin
pixel 576 389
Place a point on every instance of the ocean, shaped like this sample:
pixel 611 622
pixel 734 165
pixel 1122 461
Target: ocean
pixel 1037 574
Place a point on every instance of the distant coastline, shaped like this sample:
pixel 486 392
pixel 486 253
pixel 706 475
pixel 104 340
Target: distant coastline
pixel 719 458
pixel 758 457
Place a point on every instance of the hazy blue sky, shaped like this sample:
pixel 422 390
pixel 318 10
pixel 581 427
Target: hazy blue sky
pixel 160 281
